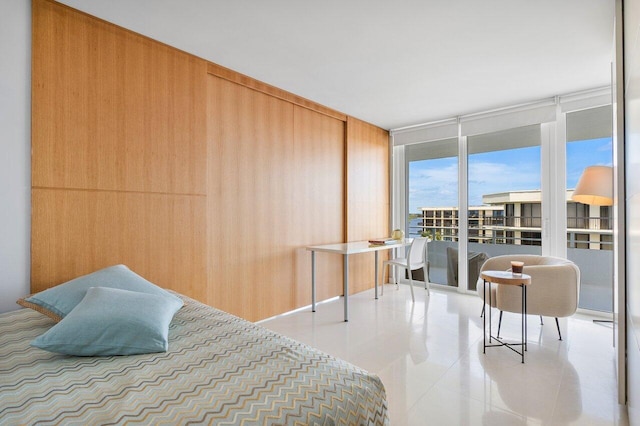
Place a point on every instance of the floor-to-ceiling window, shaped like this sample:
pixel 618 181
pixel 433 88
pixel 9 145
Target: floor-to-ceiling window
pixel 590 227
pixel 494 183
pixel 504 196
pixel 432 187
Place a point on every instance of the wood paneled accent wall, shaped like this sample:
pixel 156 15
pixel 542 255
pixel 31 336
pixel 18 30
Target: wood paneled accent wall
pixel 367 212
pixel 201 179
pixel 114 110
pixel 118 153
pixel 275 185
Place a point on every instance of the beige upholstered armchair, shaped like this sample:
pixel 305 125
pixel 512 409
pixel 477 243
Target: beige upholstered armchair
pixel 554 289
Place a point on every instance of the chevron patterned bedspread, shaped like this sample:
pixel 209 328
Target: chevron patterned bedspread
pixel 219 370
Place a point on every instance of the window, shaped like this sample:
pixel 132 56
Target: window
pixel 589 230
pixel 577 216
pixel 605 220
pixel 504 192
pixel 505 209
pixel 606 242
pixel 531 215
pixel 432 185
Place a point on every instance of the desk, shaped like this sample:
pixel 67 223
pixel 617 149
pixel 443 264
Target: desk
pixel 347 249
pixel 505 278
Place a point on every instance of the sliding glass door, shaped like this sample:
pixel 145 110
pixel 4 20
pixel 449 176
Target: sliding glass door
pixel 432 198
pixel 504 200
pixel 504 196
pixel 501 183
pixel 590 226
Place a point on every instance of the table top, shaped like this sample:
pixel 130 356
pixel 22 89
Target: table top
pixel 358 247
pixel 506 277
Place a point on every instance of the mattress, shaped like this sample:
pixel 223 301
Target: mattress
pixel 219 370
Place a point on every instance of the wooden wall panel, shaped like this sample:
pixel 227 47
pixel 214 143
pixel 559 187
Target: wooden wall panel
pixel 318 194
pixel 112 109
pixel 158 236
pixel 203 180
pixel 367 213
pixel 276 178
pixel 243 80
pixel 118 153
pixel 249 201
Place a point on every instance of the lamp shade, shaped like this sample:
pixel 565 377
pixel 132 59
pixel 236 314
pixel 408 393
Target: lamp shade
pixel 595 186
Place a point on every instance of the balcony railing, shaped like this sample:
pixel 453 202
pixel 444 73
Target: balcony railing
pixel 519 230
pixel 596 268
pixel 573 222
pixel 589 223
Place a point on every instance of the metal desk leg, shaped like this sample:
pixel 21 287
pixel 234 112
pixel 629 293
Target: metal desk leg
pixel 313 281
pixel 345 285
pixel 376 269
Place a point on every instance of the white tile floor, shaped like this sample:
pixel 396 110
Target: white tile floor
pixel 429 356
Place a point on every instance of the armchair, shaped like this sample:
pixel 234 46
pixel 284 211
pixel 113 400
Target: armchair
pixel 554 290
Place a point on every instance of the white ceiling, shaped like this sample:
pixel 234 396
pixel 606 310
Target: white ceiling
pixel 391 63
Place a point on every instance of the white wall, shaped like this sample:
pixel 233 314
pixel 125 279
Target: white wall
pixel 632 171
pixel 15 151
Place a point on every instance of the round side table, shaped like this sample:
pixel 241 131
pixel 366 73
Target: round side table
pixel 505 278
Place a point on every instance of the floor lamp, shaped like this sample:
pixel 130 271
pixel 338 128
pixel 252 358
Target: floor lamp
pixel 595 187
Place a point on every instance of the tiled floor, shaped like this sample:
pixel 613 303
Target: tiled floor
pixel 429 356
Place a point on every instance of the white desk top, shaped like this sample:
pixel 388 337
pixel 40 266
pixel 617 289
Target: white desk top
pixel 358 247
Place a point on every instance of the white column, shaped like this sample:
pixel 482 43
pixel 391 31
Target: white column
pixel 398 199
pixel 463 213
pixel 399 188
pixel 554 181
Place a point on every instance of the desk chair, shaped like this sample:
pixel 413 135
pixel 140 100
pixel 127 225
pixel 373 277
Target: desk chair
pixel 416 259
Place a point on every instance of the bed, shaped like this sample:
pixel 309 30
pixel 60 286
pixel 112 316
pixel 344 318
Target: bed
pixel 219 369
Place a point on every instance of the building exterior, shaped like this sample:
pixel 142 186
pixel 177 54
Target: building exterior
pixel 515 217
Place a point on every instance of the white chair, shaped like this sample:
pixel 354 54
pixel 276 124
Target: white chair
pixel 416 259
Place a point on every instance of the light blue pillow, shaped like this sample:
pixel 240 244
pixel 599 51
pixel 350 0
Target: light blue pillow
pixel 110 321
pixel 58 301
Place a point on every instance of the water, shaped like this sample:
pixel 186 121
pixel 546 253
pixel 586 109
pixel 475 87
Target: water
pixel 414 227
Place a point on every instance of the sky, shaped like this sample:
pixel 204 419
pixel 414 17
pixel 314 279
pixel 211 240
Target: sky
pixel 433 183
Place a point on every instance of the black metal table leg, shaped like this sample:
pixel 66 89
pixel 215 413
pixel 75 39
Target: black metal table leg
pixel 484 317
pixel 504 278
pixel 522 320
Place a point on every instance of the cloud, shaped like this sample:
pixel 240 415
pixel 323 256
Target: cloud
pixel 430 187
pixel 489 177
pixel 607 145
pixel 519 173
pixel 434 183
pixel 438 186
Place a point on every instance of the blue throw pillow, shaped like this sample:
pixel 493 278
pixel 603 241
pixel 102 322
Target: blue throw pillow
pixel 58 301
pixel 110 321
